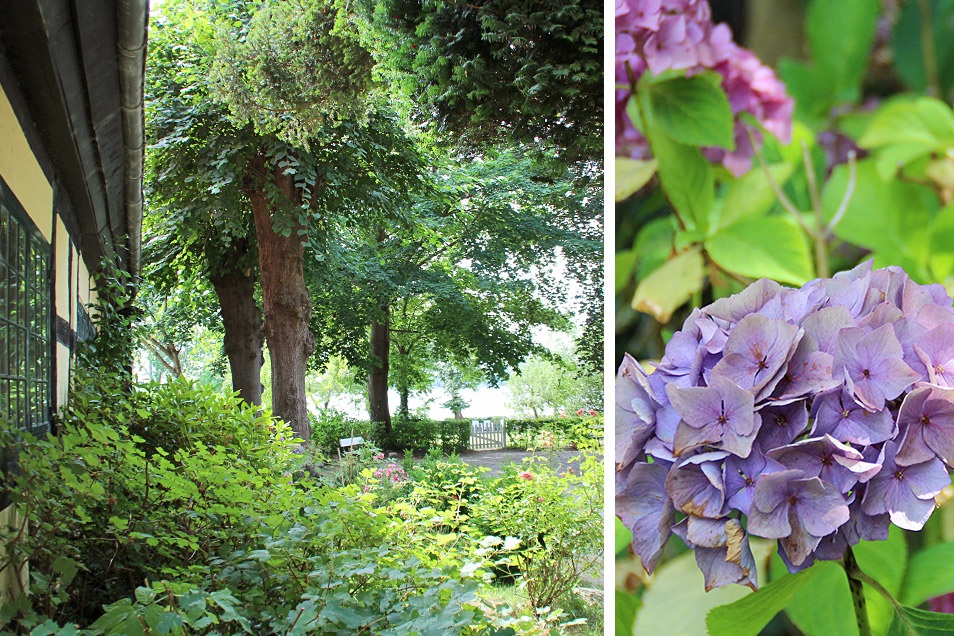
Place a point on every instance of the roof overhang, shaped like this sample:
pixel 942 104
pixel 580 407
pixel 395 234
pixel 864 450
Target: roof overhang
pixel 80 66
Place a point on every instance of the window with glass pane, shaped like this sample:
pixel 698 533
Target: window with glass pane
pixel 25 310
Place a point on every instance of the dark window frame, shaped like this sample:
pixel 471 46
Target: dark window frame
pixel 26 319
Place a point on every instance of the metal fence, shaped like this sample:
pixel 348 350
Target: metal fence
pixel 487 434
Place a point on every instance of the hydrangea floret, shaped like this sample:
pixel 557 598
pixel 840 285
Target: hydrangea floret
pixel 815 416
pixel 662 35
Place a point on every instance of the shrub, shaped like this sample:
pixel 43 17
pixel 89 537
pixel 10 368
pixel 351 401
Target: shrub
pixel 524 432
pixel 448 485
pixel 234 542
pixel 328 429
pixel 107 509
pixel 558 519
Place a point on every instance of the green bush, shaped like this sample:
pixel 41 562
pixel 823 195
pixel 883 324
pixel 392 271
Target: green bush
pixel 557 518
pixel 448 485
pixel 107 509
pixel 234 543
pixel 454 436
pixel 578 431
pixel 328 429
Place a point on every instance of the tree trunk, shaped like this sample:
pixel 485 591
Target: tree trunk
pixel 458 414
pixel 378 377
pixel 242 319
pixel 286 299
pixel 405 394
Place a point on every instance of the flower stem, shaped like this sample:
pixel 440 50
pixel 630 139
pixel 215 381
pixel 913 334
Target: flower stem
pixel 855 584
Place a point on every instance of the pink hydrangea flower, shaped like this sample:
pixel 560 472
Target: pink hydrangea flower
pixel 660 35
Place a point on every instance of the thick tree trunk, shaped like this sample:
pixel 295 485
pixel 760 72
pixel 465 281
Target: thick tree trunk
pixel 242 319
pixel 378 377
pixel 458 414
pixel 287 302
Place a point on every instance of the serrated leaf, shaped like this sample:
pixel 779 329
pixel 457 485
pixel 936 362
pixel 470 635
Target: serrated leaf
pixel 751 195
pixel 632 175
pixel 692 110
pixel 772 247
pixel 917 622
pixel 929 574
pixel 686 178
pixel 670 286
pixel 751 613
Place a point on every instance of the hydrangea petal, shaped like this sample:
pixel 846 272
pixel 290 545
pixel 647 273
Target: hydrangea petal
pixel 644 507
pixel 695 485
pixel 927 417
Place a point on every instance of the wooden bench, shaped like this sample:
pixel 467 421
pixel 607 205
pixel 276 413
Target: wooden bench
pixel 349 444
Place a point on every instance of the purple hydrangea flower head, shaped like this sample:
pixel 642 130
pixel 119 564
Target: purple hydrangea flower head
pixel 836 463
pixel 656 36
pixel 643 506
pixel 873 365
pixel 722 550
pixel 757 352
pixel 635 411
pixel 816 416
pixel 781 424
pixel 906 493
pixel 796 509
pixel 839 415
pixel 721 415
pixel 696 486
pixel 935 350
pixel 741 476
pixel 927 421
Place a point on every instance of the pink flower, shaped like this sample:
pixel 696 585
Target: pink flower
pixel 526 475
pixel 659 35
pixel 580 412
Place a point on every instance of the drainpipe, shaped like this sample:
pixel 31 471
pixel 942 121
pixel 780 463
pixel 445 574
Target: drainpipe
pixel 132 22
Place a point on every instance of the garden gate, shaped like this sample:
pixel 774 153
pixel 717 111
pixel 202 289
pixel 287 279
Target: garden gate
pixel 487 435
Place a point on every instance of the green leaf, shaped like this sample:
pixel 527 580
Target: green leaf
pixel 677 602
pixel 625 261
pixel 623 537
pixel 632 175
pixel 168 621
pixel 751 195
pixel 824 607
pixel 687 179
pixel 890 217
pixel 907 52
pixel 884 561
pixel 772 247
pixel 145 595
pixel 929 574
pixel 916 622
pixel 751 613
pixel 670 286
pixel 840 36
pixel 692 110
pixel 66 568
pixel 627 605
pixel 905 121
